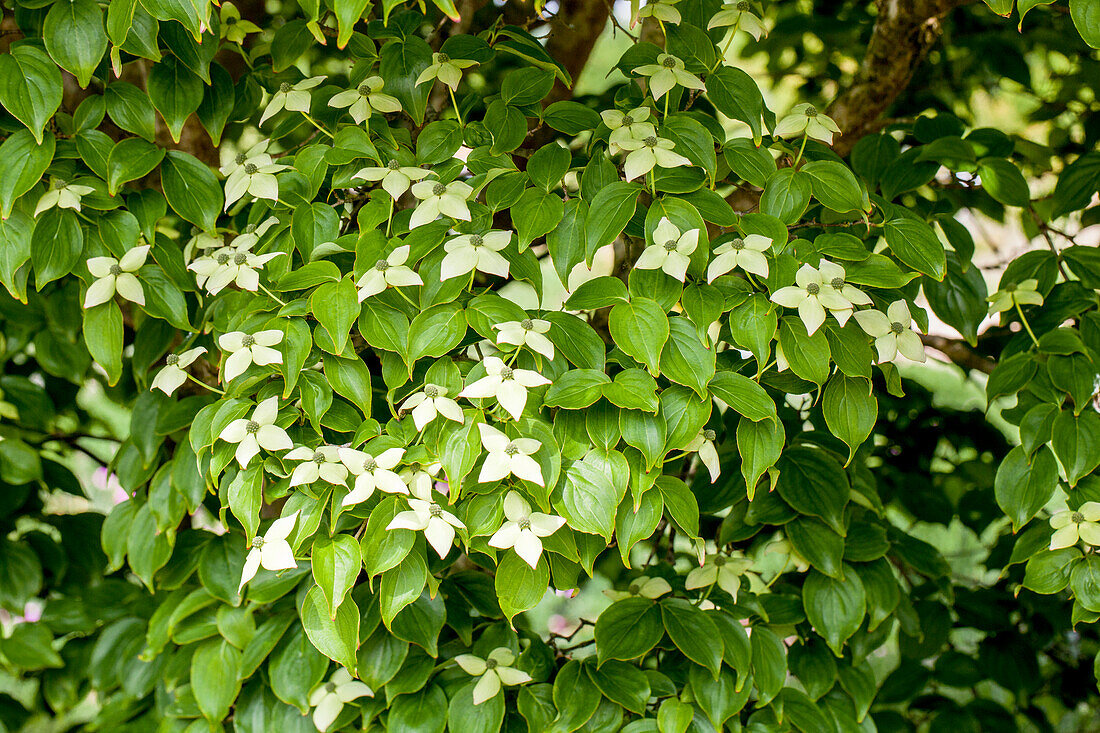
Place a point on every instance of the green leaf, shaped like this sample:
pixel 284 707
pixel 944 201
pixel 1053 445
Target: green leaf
pixel 192 189
pixel 719 697
pixel 1003 181
pixel 336 563
pixel 960 299
pixel 915 244
pixel 693 633
pixel 752 325
pixel 350 378
pixel 401 585
pixel 525 86
pixel 807 355
pixel 835 186
pixel 814 483
pixel 1022 486
pixel 575 697
pixel 640 328
pixel 30 648
pixel 850 410
pixel 436 331
pixel 24 162
pixel 822 547
pixel 692 141
pixel 745 396
pixel 628 629
pixel 769 663
pixel 30 89
pixel 56 245
pixel 736 95
pixel 75 37
pixel 576 340
pixel 835 607
pixel 131 109
pixel 129 160
pixel 401 62
pixel 760 444
pixel 337 636
pixel 520 587
pixel 175 92
pixel 616 203
pixel 684 359
pixel 336 307
pixel 590 500
pixel 548 165
pixel 576 389
pixel 1086 16
pixel 217 104
pixel 786 195
pixel 215 678
pixel 535 214
pixel 621 683
pixel 464 715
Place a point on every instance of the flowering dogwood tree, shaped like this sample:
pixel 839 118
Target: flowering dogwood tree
pixel 396 325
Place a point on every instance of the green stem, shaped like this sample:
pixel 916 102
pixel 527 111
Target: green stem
pixel 801 150
pixel 389 218
pixel 729 42
pixel 455 103
pixel 272 295
pixel 407 298
pixel 1023 320
pixel 318 126
pixel 204 384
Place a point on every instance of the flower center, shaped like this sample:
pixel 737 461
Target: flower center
pixel 670 245
pixel 381 265
pixel 743 6
pixel 634 589
pixel 330 687
pixel 811 111
pixel 1077 517
pixel 60 183
pixel 669 62
pixel 837 283
pixel 370 465
pixel 393 165
pixel 257 542
pixel 439 189
pixel 231 21
pixel 507 373
pixel 1010 288
pixel 524 523
pixel 172 359
pixel 248 342
pixel 364 90
pixel 737 245
pixel 896 327
pixel 627 120
pixel 442 58
pixel 251 169
pixel 476 240
pixel 491 664
pixel 318 457
pixel 431 391
pixel 116 269
pixel 251 427
pixel 435 510
pixel 813 288
pixel 719 561
pixel 511 449
pixel 526 324
pixel 284 87
pixel 650 142
pixel 240 258
pixel 250 228
pixel 223 258
pixel 240 159
pixel 709 435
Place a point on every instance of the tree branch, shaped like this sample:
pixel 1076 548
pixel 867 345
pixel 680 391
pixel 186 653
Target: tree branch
pixel 959 352
pixel 573 34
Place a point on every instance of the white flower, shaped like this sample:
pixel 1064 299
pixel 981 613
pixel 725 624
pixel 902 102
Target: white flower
pixel 632 125
pixel 256 155
pixel 259 431
pixel 1071 526
pixel 528 332
pixel 364 99
pixel 832 275
pixel 726 571
pixel 372 472
pixel 746 253
pixel 494 671
pixel 708 454
pixel 649 152
pixel 252 233
pixel 508 385
pixel 395 178
pixel 328 700
pixel 468 252
pixel 804 119
pixel 437 524
pixel 116 276
pixel 667 73
pixel 641 587
pixel 892 332
pixel 524 529
pixel 63 195
pixel 420 478
pixel 1024 292
pixel 811 296
pixel 294 97
pixel 245 349
pixel 227 265
pixel 388 272
pixel 254 177
pixel 169 379
pixel 508 456
pixel 271 551
pixel 428 403
pixel 438 198
pixel 233 28
pixel 322 462
pixel 202 241
pixel 670 251
pixel 446 69
pixel 739 15
pixel 661 10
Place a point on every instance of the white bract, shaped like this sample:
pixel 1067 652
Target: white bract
pixel 1073 526
pixel 438 198
pixel 524 529
pixel 811 297
pixel 63 195
pixel 425 515
pixel 805 119
pixel 233 264
pixel 745 252
pixel 372 472
pixel 395 178
pixel 1024 292
pixel 667 73
pixel 494 671
pixel 508 385
pixel 446 69
pixel 322 462
pixel 232 27
pixel 364 99
pixel 726 571
pixel 661 10
pixel 256 178
pixel 670 251
pixel 245 349
pixel 294 97
pixel 508 457
pixel 708 454
pixel 169 379
pixel 481 252
pixel 892 332
pixel 116 276
pixel 641 587
pixel 389 272
pixel 271 551
pixel 529 332
pixel 739 15
pixel 419 478
pixel 431 401
pixel 258 431
pixel 648 152
pixel 632 125
pixel 328 699
pixel 833 276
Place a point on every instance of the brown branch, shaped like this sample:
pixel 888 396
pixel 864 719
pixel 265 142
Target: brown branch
pixel 959 352
pixel 573 34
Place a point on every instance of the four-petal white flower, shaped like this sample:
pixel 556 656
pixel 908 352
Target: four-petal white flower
pixel 372 472
pixel 388 272
pixel 480 252
pixel 431 401
pixel 1072 526
pixel 524 529
pixel 507 384
pixel 395 178
pixel 322 462
pixel 507 456
pixel 726 571
pixel 641 587
pixel 649 152
pixel 494 671
pixel 529 332
pixel 892 332
pixel 365 99
pixel 169 379
pixel 446 69
pixel 63 195
pixel 703 443
pixel 257 431
pixel 438 198
pixel 811 296
pixel 667 73
pixel 271 551
pixel 116 276
pixel 745 252
pixel 670 251
pixel 328 699
pixel 425 515
pixel 294 97
pixel 245 349
pixel 805 119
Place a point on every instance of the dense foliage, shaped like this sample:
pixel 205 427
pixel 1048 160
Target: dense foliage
pixel 310 396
